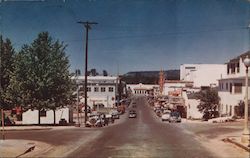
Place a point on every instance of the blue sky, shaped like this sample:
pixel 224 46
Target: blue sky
pixel 134 34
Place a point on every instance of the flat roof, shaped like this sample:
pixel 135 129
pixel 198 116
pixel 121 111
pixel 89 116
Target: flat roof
pixel 177 81
pixel 95 77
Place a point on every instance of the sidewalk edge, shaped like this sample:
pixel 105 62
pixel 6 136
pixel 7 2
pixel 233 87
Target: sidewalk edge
pixel 236 143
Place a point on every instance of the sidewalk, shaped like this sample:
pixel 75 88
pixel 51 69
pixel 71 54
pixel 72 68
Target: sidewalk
pixel 235 139
pixel 20 148
pixel 34 127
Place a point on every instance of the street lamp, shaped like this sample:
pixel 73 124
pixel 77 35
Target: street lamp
pixel 246 133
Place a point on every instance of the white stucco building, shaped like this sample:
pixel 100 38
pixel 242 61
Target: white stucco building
pixel 101 90
pixel 143 89
pixel 202 75
pixel 232 87
pixel 175 87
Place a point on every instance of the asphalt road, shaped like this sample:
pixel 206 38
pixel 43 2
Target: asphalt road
pixel 143 136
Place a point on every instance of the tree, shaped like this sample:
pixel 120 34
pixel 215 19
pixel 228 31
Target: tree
pixel 209 101
pixel 92 72
pixel 6 67
pixel 104 73
pixel 41 79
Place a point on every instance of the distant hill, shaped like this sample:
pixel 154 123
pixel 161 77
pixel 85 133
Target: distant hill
pixel 149 77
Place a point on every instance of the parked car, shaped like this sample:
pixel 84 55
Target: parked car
pixel 175 117
pixel 166 115
pixel 63 122
pixel 158 112
pixel 115 115
pixel 132 114
pixel 96 120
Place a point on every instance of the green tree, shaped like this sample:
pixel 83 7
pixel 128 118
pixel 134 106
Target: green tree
pixel 104 73
pixel 41 79
pixel 6 67
pixel 209 101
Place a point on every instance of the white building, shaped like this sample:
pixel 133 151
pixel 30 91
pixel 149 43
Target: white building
pixel 175 87
pixel 143 89
pixel 101 90
pixel 191 104
pixel 232 86
pixel 202 75
pixel 46 117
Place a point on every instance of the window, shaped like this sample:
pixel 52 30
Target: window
pixel 237 87
pixel 88 89
pixel 111 89
pixel 96 89
pixel 103 89
pixel 43 113
pixel 233 68
pixel 230 88
pixel 238 67
pixel 190 67
pixel 226 86
pixel 228 68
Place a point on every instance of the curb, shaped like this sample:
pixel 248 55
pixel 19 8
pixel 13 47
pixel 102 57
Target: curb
pixel 27 129
pixel 237 144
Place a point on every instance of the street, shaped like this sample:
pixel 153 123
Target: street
pixel 144 136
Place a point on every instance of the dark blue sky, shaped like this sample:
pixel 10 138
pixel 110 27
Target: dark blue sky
pixel 135 34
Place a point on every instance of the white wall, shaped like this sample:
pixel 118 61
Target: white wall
pixel 192 104
pixel 31 117
pixel 192 110
pixel 231 98
pixel 107 98
pixel 203 74
pixel 168 87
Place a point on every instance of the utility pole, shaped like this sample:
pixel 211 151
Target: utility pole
pixel 87 25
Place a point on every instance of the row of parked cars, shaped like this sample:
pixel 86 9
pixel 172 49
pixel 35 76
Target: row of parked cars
pixel 168 115
pixel 102 119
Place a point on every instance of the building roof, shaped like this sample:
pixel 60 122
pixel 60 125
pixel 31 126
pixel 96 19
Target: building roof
pixel 177 81
pixel 236 59
pixel 96 77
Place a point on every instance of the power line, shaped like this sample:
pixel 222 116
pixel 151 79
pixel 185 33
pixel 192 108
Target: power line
pixel 164 34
